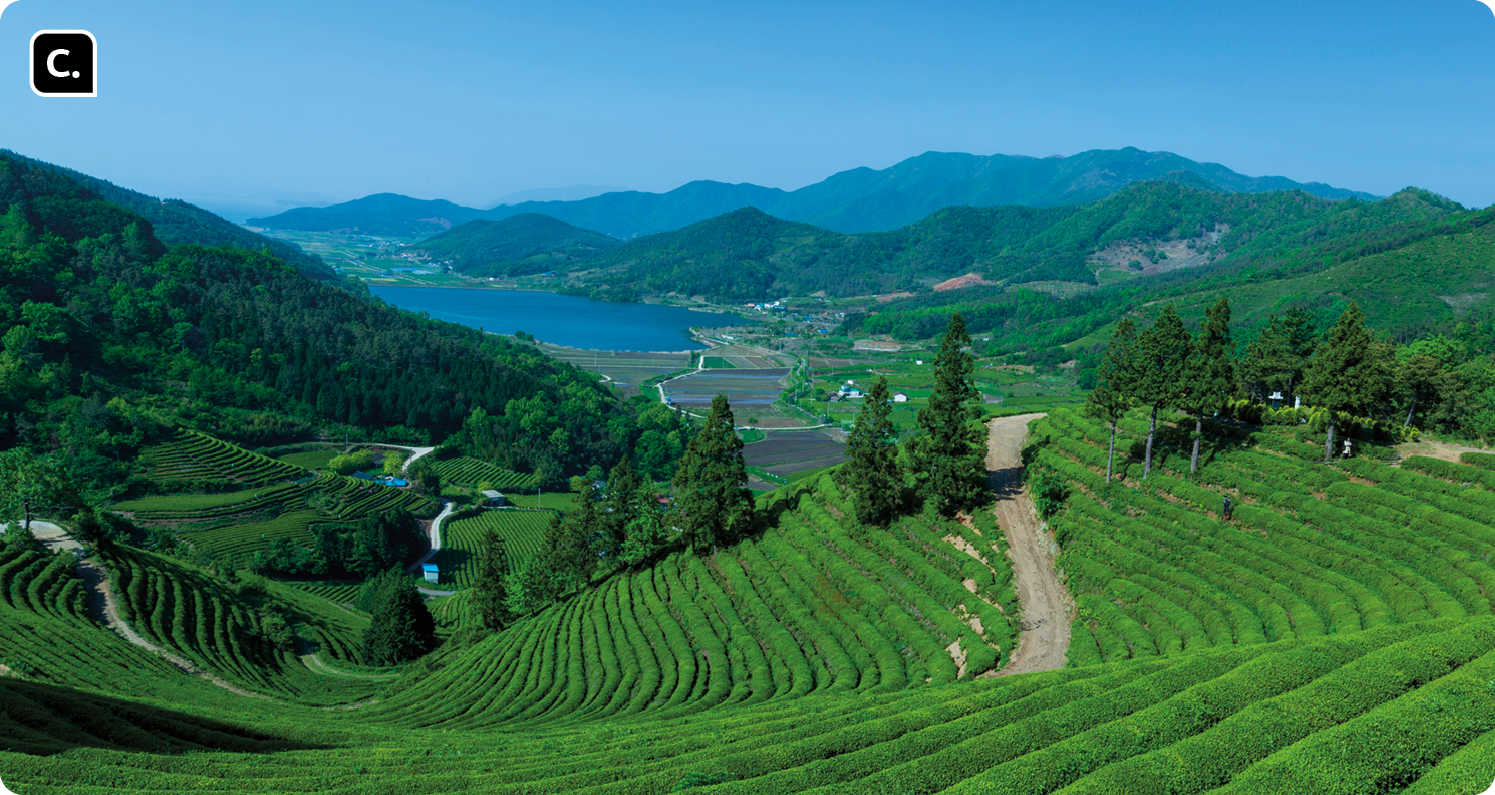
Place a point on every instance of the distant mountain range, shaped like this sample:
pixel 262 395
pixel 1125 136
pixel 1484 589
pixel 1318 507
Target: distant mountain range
pixel 1146 228
pixel 566 194
pixel 859 200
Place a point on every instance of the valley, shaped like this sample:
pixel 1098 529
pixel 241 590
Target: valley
pixel 1184 492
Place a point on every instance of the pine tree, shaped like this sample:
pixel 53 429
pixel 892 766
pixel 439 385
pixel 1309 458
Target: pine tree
pixel 1348 372
pixel 401 627
pixel 951 459
pixel 1114 385
pixel 712 501
pixel 1275 360
pixel 625 493
pixel 1210 372
pixel 872 473
pixel 490 597
pixel 1162 355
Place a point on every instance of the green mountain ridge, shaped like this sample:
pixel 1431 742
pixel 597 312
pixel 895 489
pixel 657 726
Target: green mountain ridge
pixel 176 222
pixel 859 200
pixel 517 245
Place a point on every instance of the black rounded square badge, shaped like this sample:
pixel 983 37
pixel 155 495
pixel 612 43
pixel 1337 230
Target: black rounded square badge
pixel 64 63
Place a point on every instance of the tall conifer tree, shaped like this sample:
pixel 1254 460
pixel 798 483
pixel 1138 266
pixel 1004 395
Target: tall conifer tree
pixel 625 492
pixel 490 597
pixel 1211 374
pixel 1114 384
pixel 951 458
pixel 872 473
pixel 1348 372
pixel 711 495
pixel 402 627
pixel 1162 356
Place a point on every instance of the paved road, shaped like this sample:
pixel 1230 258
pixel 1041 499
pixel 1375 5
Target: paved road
pixel 446 510
pixel 1048 608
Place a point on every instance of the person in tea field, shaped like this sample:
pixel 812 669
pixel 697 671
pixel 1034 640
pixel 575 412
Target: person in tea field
pixel 1225 512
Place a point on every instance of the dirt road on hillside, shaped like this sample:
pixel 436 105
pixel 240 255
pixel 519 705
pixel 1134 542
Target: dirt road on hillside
pixel 1047 605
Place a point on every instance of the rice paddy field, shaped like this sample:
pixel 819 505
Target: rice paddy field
pixel 749 391
pixel 626 369
pixel 1334 636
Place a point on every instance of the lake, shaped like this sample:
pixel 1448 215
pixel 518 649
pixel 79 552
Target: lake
pixel 568 320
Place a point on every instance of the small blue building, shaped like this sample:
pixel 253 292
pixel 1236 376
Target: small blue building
pixel 433 575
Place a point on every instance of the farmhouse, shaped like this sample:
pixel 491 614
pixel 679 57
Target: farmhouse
pixel 433 574
pixel 899 397
pixel 494 499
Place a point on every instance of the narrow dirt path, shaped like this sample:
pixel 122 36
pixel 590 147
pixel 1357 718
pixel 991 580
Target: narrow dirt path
pixel 313 661
pixel 101 603
pixel 1047 605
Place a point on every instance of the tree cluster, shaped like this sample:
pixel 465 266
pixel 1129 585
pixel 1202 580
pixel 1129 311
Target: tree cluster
pixel 359 549
pixel 1347 371
pixel 401 627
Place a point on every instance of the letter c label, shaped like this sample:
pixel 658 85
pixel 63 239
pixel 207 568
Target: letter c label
pixel 51 66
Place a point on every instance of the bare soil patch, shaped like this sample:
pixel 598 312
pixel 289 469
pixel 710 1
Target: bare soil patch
pixel 1048 608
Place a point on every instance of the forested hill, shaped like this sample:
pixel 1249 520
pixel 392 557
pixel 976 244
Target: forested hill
pixel 519 244
pixel 378 214
pixel 109 337
pixel 859 200
pixel 1418 264
pixel 1159 229
pixel 176 222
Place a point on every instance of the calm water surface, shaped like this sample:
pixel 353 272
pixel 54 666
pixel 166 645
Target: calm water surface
pixel 567 320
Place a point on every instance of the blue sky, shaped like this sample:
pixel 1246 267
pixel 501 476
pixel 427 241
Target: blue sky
pixel 472 101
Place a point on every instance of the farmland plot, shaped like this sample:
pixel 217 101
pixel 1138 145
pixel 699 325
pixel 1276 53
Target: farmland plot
pixel 786 453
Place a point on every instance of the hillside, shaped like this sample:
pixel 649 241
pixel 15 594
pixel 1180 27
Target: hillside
pixel 859 200
pixel 112 339
pixel 1335 637
pixel 1156 230
pixel 1294 253
pixel 176 222
pixel 515 246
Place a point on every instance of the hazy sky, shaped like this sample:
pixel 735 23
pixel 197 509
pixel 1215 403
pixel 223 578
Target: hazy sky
pixel 471 101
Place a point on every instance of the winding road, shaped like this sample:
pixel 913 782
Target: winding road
pixel 1048 608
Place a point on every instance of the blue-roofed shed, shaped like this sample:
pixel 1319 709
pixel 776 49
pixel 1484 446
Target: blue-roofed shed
pixel 432 573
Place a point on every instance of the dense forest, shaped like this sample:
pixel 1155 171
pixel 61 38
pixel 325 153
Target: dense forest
pixel 111 337
pixel 175 221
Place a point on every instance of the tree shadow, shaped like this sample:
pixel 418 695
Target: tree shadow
pixel 43 719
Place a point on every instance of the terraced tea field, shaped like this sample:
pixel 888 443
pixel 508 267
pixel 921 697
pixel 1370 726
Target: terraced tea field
pixel 213 464
pixel 1310 550
pixel 521 530
pixel 470 472
pixel 239 521
pixel 1336 636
